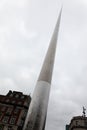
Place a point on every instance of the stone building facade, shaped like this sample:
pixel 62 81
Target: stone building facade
pixel 13 110
pixel 78 123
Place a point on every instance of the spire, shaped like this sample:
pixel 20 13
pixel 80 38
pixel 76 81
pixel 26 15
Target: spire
pixel 36 117
pixel 47 68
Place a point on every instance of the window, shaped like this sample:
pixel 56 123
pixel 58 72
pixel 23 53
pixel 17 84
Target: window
pixel 13 101
pixel 3 108
pixel 22 97
pixel 24 114
pixel 5 119
pixel 7 100
pixel 1 127
pixel 1 115
pixel 12 120
pixel 11 95
pixel 19 103
pixel 16 111
pixel 10 128
pixel 76 122
pixel 21 122
pixel 16 95
pixel 9 111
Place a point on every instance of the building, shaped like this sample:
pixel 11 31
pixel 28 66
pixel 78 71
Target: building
pixel 13 110
pixel 77 123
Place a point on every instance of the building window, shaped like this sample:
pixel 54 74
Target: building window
pixel 22 97
pixel 16 111
pixel 16 95
pixel 21 122
pixel 1 115
pixel 19 103
pixel 11 95
pixel 10 128
pixel 3 108
pixel 12 120
pixel 9 111
pixel 1 127
pixel 86 123
pixel 7 100
pixel 5 119
pixel 13 101
pixel 76 122
pixel 24 114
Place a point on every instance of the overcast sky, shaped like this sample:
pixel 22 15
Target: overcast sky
pixel 26 27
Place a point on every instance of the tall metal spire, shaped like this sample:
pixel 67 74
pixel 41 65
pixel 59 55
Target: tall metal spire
pixel 38 108
pixel 47 68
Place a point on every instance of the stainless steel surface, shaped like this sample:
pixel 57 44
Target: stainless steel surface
pixel 38 107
